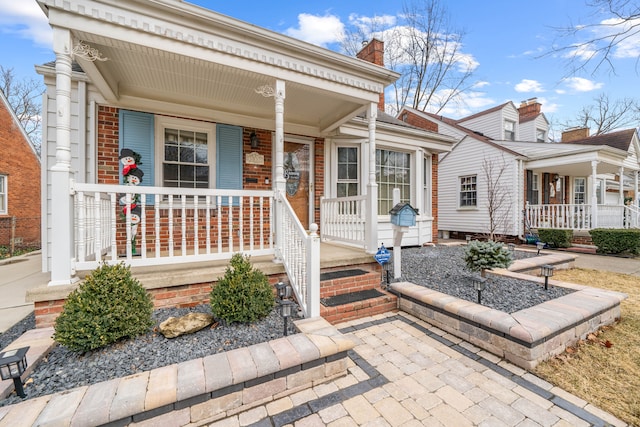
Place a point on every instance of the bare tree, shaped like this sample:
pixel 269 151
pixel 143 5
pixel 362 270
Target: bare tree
pixel 24 98
pixel 498 202
pixel 600 42
pixel 605 115
pixel 426 50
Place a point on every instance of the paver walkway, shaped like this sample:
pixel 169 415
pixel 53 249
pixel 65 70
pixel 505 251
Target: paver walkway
pixel 408 373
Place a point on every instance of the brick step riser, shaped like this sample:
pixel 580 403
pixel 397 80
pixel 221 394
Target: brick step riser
pixel 347 285
pixel 359 309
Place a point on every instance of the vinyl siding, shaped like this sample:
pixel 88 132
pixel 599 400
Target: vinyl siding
pixel 467 159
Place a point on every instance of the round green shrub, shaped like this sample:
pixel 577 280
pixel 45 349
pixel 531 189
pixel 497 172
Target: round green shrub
pixel 243 295
pixel 480 256
pixel 109 305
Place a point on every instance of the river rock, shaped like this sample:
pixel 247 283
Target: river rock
pixel 190 323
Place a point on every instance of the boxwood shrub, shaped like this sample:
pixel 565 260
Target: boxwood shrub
pixel 243 294
pixel 616 241
pixel 109 305
pixel 555 237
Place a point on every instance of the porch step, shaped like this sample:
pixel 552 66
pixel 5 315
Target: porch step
pixel 353 294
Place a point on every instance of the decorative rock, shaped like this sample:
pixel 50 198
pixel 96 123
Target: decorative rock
pixel 192 322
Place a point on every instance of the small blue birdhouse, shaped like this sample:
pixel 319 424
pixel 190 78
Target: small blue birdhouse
pixel 403 215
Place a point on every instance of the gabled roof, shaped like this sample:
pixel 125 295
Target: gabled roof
pixel 620 139
pixel 16 121
pixel 485 112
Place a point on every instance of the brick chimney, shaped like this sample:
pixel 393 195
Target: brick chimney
pixel 529 108
pixel 574 134
pixel 374 52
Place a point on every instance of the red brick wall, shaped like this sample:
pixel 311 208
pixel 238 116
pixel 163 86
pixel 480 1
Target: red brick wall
pixel 417 121
pixel 21 166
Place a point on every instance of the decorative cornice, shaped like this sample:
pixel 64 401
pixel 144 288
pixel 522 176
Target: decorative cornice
pixel 160 26
pixel 86 52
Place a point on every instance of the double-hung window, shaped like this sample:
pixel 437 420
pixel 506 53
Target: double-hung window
pixel 535 189
pixel 393 170
pixel 541 135
pixel 186 159
pixel 509 130
pixel 347 171
pixel 579 191
pixel 468 191
pixel 3 194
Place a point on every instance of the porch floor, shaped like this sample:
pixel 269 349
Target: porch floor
pixel 332 256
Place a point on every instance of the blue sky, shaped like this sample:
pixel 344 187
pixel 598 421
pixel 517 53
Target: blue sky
pixel 504 41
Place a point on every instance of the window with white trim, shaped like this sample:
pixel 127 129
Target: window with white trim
pixel 3 194
pixel 579 191
pixel 509 130
pixel 535 188
pixel 600 191
pixel 426 181
pixel 541 135
pixel 347 183
pixel 188 155
pixel 393 170
pixel 468 191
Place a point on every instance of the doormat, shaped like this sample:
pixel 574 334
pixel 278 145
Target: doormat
pixel 342 273
pixel 351 297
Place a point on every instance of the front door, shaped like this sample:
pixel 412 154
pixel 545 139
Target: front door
pixel 297 172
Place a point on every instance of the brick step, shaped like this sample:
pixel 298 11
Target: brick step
pixel 359 309
pixel 347 281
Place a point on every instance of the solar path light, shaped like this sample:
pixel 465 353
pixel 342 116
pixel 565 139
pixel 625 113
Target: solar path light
pixel 12 365
pixel 546 271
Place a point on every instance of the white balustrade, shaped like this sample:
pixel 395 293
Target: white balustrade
pixel 579 217
pixel 171 226
pixel 343 219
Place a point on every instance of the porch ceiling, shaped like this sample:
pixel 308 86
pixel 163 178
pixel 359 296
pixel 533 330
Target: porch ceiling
pixel 138 72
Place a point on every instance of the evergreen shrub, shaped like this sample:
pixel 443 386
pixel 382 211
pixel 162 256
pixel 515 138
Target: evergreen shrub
pixel 243 294
pixel 480 256
pixel 109 305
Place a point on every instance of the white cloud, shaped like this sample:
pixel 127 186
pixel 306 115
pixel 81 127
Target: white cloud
pixel 527 85
pixel 370 25
pixel 548 106
pixel 26 20
pixel 319 30
pixel 579 84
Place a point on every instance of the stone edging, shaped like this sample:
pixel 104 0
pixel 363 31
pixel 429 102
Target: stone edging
pixel 525 337
pixel 205 389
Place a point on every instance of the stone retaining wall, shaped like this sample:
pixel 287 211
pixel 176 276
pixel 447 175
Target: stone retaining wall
pixel 526 337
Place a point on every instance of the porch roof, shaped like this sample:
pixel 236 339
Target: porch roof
pixel 169 56
pixel 568 159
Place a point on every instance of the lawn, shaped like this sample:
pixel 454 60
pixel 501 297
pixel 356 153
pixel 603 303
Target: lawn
pixel 604 369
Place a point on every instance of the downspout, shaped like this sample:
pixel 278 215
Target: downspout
pixel 520 201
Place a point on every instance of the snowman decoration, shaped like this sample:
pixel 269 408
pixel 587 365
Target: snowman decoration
pixel 131 175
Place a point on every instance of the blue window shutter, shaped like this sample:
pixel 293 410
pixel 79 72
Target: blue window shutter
pixel 229 157
pixel 136 133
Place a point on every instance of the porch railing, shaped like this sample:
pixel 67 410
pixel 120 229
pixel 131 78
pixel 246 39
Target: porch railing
pixel 343 219
pixel 176 225
pixel 575 217
pixel 300 253
pixel 580 217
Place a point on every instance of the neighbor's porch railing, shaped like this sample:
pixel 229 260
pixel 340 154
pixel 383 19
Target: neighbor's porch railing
pixel 579 217
pixel 299 250
pixel 176 225
pixel 343 219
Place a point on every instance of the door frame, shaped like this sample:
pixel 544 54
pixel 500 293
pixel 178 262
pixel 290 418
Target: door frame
pixel 312 167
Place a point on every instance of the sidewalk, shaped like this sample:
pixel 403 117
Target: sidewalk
pixel 18 274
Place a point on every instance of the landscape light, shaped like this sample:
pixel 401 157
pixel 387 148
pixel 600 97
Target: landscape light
pixel 540 246
pixel 12 365
pixel 479 284
pixel 286 310
pixel 546 271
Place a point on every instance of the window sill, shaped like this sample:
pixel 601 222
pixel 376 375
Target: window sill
pixel 468 208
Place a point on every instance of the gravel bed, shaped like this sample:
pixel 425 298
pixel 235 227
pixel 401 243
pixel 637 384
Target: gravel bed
pixel 63 369
pixel 442 268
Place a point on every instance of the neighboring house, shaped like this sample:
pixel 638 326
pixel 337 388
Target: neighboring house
pixel 246 139
pixel 503 151
pixel 19 183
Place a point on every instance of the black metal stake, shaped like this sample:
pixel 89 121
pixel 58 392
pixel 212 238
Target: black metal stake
pixel 17 382
pixel 286 326
pixel 479 296
pixel 546 283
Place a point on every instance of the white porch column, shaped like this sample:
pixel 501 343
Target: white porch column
pixel 635 188
pixel 279 181
pixel 371 230
pixel 594 194
pixel 621 186
pixel 61 207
